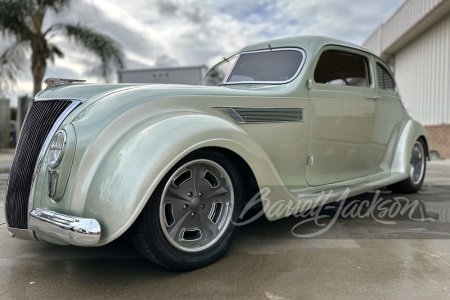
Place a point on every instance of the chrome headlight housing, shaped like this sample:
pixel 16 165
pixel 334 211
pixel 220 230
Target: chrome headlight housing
pixel 57 148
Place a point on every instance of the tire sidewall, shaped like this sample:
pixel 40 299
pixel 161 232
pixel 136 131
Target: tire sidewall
pixel 418 185
pixel 155 236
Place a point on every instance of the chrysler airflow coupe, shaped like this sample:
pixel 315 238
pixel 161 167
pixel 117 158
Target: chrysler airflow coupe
pixel 174 166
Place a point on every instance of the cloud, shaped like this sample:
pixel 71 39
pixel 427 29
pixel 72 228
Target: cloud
pixel 167 8
pixel 165 33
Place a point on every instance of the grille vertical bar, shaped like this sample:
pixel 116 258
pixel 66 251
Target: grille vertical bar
pixel 40 119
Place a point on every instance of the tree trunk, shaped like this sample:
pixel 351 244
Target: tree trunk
pixel 38 67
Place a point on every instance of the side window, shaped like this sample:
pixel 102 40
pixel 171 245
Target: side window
pixel 385 81
pixel 339 68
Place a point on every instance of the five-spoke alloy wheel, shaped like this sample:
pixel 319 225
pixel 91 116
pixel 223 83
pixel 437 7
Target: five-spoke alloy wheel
pixel 187 222
pixel 417 163
pixel 197 205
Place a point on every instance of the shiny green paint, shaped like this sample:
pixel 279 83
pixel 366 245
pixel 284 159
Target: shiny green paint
pixel 350 131
pixel 129 136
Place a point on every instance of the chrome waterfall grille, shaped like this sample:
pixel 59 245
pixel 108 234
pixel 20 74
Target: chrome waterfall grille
pixel 40 119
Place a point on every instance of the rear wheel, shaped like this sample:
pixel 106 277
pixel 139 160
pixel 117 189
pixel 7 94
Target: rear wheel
pixel 187 222
pixel 418 164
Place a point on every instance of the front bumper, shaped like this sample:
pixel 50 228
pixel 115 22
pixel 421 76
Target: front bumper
pixel 68 229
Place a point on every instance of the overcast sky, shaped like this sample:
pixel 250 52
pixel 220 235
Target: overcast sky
pixel 171 33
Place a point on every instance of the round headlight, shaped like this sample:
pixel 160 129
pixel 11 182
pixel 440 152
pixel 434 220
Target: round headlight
pixel 57 148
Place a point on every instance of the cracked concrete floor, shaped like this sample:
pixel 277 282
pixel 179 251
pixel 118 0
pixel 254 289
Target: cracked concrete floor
pixel 356 258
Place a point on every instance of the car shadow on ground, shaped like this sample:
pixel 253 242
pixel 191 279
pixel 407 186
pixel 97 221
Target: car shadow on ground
pixel 117 269
pixel 422 215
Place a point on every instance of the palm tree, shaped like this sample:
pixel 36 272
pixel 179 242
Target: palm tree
pixel 22 22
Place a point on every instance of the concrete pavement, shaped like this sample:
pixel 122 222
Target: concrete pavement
pixel 356 258
pixel 6 158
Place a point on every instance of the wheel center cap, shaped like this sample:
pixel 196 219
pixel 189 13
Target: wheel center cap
pixel 195 203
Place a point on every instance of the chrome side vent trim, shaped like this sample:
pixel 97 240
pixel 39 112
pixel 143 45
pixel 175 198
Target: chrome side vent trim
pixel 242 115
pixel 232 114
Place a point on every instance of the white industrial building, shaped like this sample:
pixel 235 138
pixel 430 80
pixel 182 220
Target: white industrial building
pixel 415 41
pixel 179 75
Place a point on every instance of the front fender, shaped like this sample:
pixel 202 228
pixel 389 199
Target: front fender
pixel 121 182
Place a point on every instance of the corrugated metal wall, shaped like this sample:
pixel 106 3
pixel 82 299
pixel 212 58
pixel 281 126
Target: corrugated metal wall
pixel 406 17
pixel 374 41
pixel 420 61
pixel 422 71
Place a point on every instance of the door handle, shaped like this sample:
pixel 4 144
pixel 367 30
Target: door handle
pixel 374 98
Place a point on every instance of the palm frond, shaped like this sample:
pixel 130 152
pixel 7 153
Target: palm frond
pixel 55 5
pixel 16 18
pixel 54 51
pixel 103 47
pixel 12 64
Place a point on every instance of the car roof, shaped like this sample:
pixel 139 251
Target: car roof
pixel 308 42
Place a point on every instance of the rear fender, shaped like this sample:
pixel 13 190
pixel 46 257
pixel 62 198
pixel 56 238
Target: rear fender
pixel 412 131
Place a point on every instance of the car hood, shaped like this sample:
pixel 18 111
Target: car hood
pixel 89 91
pixel 94 92
pixel 103 103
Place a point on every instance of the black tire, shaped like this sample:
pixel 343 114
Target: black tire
pixel 408 186
pixel 148 236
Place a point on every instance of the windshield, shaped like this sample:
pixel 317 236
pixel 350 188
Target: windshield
pixel 266 66
pixel 217 74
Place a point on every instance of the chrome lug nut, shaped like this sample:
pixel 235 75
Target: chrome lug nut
pixel 190 194
pixel 193 214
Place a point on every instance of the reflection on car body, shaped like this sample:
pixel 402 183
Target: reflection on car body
pixel 173 166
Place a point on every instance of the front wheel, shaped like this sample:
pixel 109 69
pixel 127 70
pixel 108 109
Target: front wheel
pixel 187 222
pixel 418 164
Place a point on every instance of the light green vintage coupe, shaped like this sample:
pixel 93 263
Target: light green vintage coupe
pixel 174 166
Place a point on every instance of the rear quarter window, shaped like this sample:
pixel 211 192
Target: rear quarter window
pixel 385 80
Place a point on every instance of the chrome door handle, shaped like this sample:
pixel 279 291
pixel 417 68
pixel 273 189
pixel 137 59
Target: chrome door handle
pixel 374 98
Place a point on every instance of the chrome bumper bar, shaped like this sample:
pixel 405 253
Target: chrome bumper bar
pixel 69 229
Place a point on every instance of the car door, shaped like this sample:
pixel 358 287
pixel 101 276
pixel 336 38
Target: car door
pixel 342 102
